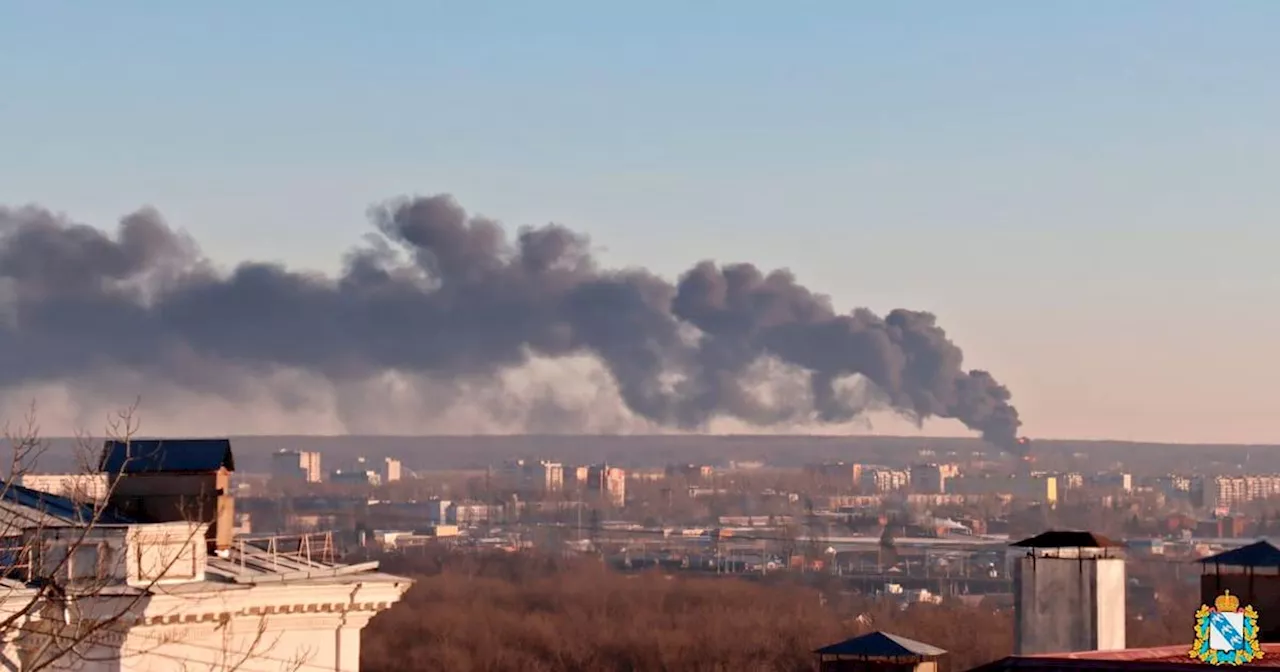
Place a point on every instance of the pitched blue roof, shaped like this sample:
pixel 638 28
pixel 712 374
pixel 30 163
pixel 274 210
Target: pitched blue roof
pixel 881 645
pixel 1067 539
pixel 166 455
pixel 1257 554
pixel 59 506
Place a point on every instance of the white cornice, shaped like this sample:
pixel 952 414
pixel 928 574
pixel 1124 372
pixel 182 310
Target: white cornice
pixel 275 599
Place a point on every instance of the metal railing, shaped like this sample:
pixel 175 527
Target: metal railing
pixel 310 548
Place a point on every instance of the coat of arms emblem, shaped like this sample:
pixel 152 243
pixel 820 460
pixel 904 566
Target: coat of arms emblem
pixel 1226 634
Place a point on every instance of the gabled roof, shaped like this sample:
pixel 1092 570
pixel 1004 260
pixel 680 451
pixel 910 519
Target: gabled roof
pixel 1257 554
pixel 1067 539
pixel 881 645
pixel 62 508
pixel 166 456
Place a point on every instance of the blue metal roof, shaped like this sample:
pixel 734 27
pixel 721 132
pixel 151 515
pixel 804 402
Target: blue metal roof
pixel 1257 554
pixel 881 645
pixel 166 456
pixel 60 507
pixel 1067 539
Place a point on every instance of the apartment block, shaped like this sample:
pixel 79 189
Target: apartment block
pixel 531 478
pixel 836 473
pixel 296 465
pixel 391 470
pixel 1226 492
pixel 886 480
pixel 608 483
pixel 931 479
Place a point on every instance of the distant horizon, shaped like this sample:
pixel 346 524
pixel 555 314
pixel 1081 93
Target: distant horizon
pixel 676 435
pixel 1084 198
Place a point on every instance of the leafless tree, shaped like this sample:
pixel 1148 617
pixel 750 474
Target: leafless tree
pixel 66 598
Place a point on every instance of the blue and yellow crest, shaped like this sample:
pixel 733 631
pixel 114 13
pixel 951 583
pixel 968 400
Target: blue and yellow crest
pixel 1225 633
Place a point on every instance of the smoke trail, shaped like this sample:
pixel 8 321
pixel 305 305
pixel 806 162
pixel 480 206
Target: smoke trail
pixel 437 293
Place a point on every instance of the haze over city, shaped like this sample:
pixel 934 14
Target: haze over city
pixel 1080 197
pixel 573 336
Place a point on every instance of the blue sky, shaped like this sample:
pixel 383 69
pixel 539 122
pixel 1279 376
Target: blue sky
pixel 1082 191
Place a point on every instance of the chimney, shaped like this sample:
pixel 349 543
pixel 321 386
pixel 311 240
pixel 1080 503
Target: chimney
pixel 1069 594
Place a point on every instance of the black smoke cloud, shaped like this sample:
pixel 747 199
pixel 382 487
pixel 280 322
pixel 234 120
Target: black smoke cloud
pixel 435 291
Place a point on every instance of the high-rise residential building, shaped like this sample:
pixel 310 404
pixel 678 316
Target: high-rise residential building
pixel 296 465
pixel 1226 492
pixel 390 470
pixel 840 474
pixel 362 473
pixel 608 483
pixel 931 479
pixel 531 478
pixel 886 480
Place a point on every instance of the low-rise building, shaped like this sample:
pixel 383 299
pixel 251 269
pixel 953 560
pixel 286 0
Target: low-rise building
pixel 89 488
pixel 467 514
pixel 149 587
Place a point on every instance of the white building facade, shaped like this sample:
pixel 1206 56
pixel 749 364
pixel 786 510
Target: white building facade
pixel 89 590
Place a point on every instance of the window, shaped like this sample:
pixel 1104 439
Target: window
pixel 83 563
pixel 106 560
pixel 166 559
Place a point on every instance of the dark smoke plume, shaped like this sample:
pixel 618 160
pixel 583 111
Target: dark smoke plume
pixel 438 292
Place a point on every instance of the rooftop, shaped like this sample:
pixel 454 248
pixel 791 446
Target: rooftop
pixel 22 502
pixel 282 558
pixel 166 456
pixel 1257 554
pixel 1067 539
pixel 881 645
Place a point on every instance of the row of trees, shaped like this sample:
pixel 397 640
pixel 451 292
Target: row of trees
pixel 545 613
pixel 552 613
